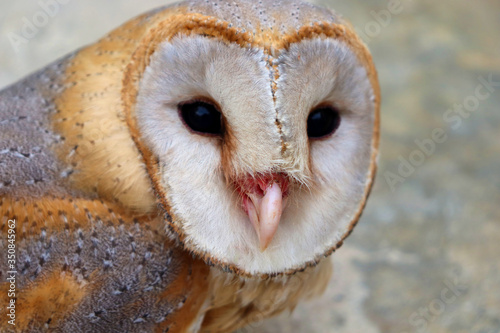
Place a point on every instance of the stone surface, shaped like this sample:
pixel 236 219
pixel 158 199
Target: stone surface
pixel 425 256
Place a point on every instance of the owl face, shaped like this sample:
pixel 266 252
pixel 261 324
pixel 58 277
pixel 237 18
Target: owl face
pixel 262 156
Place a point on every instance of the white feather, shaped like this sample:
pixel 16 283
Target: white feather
pixel 238 79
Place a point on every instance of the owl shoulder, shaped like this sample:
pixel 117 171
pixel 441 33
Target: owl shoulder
pixel 86 265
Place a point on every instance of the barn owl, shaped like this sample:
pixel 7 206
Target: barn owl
pixel 189 172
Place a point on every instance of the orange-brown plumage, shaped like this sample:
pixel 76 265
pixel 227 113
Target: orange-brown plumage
pixel 49 296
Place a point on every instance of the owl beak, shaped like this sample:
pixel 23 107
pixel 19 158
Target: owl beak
pixel 265 212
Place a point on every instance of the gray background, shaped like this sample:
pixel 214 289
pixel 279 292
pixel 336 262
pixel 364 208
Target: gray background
pixel 425 256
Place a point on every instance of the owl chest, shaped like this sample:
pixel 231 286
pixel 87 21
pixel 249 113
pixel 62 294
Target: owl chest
pixel 235 302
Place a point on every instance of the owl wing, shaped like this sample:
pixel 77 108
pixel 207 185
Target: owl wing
pixel 76 263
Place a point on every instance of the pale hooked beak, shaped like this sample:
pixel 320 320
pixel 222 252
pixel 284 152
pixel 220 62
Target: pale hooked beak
pixel 264 211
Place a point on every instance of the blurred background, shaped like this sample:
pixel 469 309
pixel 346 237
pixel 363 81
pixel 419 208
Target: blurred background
pixel 425 257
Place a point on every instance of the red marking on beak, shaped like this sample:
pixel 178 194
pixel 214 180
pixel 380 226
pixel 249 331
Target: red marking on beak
pixel 264 198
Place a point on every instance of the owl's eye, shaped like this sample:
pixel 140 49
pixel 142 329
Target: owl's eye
pixel 322 122
pixel 201 117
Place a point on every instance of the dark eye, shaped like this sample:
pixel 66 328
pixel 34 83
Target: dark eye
pixel 202 117
pixel 322 121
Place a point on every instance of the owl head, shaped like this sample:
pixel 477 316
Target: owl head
pixel 258 124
